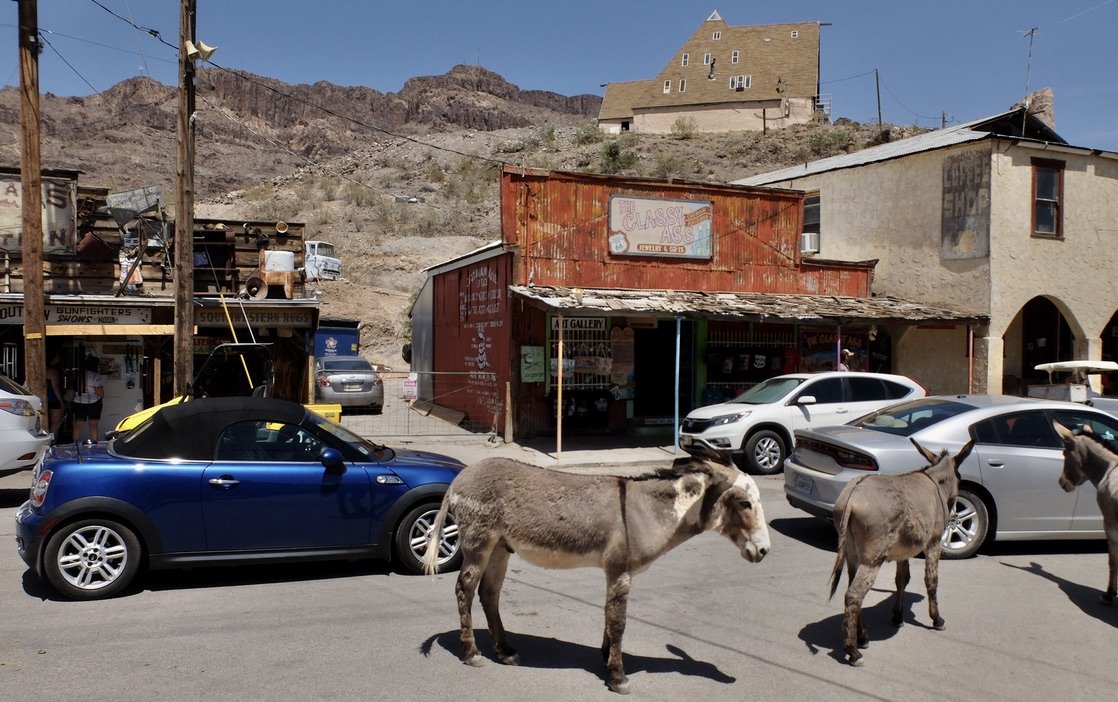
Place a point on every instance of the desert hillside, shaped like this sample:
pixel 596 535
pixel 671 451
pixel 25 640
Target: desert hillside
pixel 399 181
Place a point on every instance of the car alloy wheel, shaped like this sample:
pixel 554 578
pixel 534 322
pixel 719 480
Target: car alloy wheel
pixel 92 559
pixel 411 540
pixel 764 453
pixel 967 526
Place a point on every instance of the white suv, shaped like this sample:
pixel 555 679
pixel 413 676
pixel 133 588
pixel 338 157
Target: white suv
pixel 758 426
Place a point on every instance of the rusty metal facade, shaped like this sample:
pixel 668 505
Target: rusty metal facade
pixel 559 226
pixel 472 335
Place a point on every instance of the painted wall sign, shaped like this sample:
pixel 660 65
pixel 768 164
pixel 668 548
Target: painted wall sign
pixel 80 314
pixel 965 223
pixel 641 226
pixel 59 215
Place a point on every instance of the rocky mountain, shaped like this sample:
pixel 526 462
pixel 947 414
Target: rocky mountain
pixel 380 175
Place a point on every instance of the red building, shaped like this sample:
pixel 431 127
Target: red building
pixel 640 282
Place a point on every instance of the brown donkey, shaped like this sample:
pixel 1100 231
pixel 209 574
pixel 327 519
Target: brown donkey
pixel 556 519
pixel 893 518
pixel 1087 456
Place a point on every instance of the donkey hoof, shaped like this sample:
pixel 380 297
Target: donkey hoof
pixel 621 687
pixel 898 620
pixel 939 624
pixel 856 660
pixel 510 659
pixel 476 661
pixel 1106 598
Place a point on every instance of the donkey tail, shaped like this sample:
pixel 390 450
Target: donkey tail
pixel 840 550
pixel 434 537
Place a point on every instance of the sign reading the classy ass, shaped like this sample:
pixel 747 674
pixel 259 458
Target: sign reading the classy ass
pixel 640 226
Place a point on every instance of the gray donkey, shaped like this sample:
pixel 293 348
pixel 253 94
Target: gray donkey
pixel 556 519
pixel 893 518
pixel 1088 456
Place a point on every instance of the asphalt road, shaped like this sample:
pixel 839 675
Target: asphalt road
pixel 1023 623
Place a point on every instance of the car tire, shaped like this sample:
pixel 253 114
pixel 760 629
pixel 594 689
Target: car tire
pixel 91 559
pixel 411 540
pixel 763 453
pixel 968 526
pixel 376 409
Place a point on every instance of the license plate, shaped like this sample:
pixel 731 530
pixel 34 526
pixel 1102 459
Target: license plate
pixel 351 387
pixel 804 484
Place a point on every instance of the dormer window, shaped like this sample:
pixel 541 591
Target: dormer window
pixel 706 59
pixel 682 85
pixel 795 34
pixel 684 61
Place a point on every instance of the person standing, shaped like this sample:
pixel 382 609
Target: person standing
pixel 846 358
pixel 54 393
pixel 86 406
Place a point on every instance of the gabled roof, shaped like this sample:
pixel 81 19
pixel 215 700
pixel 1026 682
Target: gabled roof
pixel 782 60
pixel 1014 124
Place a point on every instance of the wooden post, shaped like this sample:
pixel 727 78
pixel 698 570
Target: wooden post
pixel 184 209
pixel 508 413
pixel 31 186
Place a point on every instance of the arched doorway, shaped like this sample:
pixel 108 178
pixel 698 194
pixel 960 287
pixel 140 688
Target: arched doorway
pixel 1045 337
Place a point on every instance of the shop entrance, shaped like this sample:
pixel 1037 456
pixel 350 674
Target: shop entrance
pixel 654 372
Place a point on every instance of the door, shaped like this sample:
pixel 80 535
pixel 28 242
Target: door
pixel 267 489
pixel 830 406
pixel 1020 459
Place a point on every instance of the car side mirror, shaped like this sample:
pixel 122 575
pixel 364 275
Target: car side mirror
pixel 332 459
pixel 805 400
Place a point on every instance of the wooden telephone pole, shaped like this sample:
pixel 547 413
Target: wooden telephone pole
pixel 184 209
pixel 31 186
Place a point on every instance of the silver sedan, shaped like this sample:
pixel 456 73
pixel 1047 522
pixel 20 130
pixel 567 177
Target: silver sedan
pixel 1009 487
pixel 349 381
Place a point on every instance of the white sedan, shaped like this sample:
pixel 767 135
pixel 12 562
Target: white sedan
pixel 23 441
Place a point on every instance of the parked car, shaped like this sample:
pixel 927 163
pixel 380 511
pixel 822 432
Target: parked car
pixel 1008 488
pixel 349 381
pixel 23 440
pixel 757 426
pixel 227 480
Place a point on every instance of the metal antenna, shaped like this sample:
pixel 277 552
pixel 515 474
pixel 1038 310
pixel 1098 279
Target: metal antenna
pixel 1028 74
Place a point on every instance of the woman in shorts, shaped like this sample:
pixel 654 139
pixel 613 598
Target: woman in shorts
pixel 86 406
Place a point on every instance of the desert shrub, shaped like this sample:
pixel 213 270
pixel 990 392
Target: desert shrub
pixel 615 158
pixel 668 166
pixel 684 127
pixel 547 139
pixel 589 134
pixel 829 143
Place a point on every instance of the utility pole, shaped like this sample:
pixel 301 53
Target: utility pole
pixel 877 83
pixel 31 186
pixel 184 208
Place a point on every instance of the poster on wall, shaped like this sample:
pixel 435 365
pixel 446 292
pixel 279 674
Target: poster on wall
pixel 621 370
pixel 532 364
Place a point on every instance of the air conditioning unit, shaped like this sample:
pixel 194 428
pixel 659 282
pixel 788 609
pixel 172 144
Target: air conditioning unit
pixel 809 243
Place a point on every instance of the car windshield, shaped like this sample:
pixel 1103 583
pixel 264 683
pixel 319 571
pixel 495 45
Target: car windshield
pixel 768 392
pixel 9 385
pixel 910 417
pixel 346 364
pixel 370 450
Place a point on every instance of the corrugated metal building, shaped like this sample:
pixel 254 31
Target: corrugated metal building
pixel 630 282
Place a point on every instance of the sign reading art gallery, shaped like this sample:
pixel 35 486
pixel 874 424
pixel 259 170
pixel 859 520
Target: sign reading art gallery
pixel 640 226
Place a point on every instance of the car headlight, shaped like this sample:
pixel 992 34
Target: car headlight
pixel 728 419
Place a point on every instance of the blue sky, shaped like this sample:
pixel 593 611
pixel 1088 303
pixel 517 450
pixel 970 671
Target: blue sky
pixel 969 59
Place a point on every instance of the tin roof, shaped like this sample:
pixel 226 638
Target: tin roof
pixel 1011 124
pixel 736 306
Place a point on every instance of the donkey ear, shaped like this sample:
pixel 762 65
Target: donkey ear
pixel 1065 433
pixel 963 453
pixel 928 455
